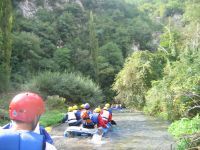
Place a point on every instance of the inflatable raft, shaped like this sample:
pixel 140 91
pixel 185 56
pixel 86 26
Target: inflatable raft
pixel 80 131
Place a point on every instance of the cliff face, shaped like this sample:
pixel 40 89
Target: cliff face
pixel 30 7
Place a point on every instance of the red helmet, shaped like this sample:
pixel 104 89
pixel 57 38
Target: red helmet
pixel 26 106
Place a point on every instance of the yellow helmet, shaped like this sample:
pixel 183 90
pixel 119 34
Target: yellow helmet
pixel 75 107
pixel 97 110
pixel 107 105
pixel 82 106
pixel 105 108
pixel 70 109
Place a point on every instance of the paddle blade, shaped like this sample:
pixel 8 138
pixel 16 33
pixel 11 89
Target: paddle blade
pixel 96 138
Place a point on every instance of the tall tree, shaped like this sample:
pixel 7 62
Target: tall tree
pixel 94 46
pixel 6 43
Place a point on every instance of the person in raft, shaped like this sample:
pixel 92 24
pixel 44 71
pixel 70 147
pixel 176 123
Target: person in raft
pixel 25 110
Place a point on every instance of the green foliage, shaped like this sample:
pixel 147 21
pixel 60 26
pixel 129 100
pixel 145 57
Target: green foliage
pixel 4 105
pixel 192 12
pixel 170 41
pixel 74 87
pixel 51 118
pixel 6 19
pixel 55 101
pixel 177 92
pixel 182 129
pixel 172 8
pixel 25 56
pixel 179 89
pixel 110 62
pixel 135 78
pixel 4 116
pixel 62 58
pixel 68 37
pixel 93 46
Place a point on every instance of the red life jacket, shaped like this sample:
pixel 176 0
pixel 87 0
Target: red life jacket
pixel 105 115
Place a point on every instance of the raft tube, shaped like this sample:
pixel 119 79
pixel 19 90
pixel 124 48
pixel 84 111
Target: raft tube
pixel 80 131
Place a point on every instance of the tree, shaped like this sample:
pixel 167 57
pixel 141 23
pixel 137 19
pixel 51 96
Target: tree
pixel 110 61
pixel 62 58
pixel 6 20
pixel 134 80
pixel 93 46
pixel 26 55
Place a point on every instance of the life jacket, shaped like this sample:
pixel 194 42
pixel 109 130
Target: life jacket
pixel 71 117
pixel 18 140
pixel 39 130
pixel 77 114
pixel 105 115
pixel 95 118
pixel 86 117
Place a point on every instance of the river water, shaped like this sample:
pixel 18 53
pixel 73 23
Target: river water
pixel 134 131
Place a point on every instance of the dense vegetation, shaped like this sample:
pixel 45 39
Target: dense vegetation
pixel 5 43
pixel 166 83
pixel 93 40
pixel 142 53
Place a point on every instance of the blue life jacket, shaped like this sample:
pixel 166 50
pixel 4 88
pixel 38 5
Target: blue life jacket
pixel 78 115
pixel 13 140
pixel 43 132
pixel 94 118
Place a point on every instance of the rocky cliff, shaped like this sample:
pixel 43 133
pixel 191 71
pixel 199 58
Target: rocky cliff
pixel 30 7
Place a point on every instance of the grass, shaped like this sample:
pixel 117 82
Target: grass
pixel 51 117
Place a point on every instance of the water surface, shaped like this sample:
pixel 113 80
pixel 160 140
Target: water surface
pixel 134 130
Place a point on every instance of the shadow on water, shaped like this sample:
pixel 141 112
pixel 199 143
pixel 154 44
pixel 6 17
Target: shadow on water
pixel 134 130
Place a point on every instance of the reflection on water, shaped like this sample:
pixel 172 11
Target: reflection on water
pixel 133 131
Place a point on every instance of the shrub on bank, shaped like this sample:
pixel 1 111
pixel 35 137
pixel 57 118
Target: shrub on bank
pixel 187 132
pixel 55 102
pixel 71 86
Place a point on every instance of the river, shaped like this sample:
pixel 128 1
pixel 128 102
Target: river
pixel 134 130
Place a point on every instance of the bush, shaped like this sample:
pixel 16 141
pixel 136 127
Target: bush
pixel 179 90
pixel 184 130
pixel 74 87
pixel 55 102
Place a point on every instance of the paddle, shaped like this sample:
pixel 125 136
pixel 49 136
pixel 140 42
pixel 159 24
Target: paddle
pixel 96 138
